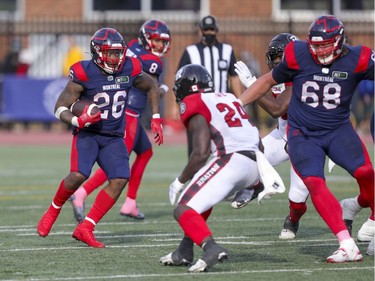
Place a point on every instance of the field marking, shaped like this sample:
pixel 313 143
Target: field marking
pixel 134 276
pixel 222 240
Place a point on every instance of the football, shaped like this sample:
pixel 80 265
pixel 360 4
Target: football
pixel 79 105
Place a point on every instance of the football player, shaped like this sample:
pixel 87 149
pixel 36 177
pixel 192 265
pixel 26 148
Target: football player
pixel 152 44
pixel 325 72
pixel 276 103
pixel 224 143
pixel 105 81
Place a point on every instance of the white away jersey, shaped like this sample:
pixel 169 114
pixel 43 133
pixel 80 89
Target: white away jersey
pixel 229 124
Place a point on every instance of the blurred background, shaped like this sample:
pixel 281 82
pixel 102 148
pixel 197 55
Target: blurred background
pixel 40 39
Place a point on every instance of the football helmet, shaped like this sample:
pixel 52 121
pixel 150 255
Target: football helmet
pixel 277 46
pixel 155 29
pixel 326 39
pixel 192 79
pixel 108 49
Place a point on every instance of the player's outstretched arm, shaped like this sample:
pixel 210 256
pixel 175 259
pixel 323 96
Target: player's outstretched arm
pixel 258 89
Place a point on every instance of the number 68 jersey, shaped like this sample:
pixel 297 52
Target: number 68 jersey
pixel 229 124
pixel 322 94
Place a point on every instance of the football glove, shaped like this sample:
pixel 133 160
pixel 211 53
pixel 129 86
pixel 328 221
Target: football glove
pixel 174 189
pixel 244 74
pixel 85 119
pixel 157 129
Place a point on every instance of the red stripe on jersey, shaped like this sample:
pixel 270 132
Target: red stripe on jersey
pixel 363 60
pixel 290 56
pixel 137 67
pixel 150 57
pixel 74 155
pixel 79 71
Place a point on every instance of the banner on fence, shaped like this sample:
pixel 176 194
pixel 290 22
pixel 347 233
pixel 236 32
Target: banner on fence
pixel 28 99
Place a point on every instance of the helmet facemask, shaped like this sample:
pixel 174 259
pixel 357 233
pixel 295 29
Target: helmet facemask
pixel 326 39
pixel 155 37
pixel 108 50
pixel 111 58
pixel 158 44
pixel 325 51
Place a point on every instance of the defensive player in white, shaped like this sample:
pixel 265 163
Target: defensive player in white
pixel 275 143
pixel 221 131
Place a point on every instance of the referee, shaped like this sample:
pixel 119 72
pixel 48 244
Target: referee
pixel 218 58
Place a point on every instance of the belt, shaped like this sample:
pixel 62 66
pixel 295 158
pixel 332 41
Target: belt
pixel 248 153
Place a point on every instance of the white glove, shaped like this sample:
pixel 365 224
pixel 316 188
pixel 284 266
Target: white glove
pixel 175 188
pixel 244 74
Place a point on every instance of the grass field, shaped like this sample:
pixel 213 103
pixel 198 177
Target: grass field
pixel 30 176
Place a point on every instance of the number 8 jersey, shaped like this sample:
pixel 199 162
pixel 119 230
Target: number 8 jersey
pixel 322 94
pixel 235 134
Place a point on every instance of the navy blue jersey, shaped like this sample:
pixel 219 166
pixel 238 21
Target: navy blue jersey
pixel 322 94
pixel 108 91
pixel 151 64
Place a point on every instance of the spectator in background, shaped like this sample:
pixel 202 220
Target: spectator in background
pixel 218 58
pixel 12 58
pixel 73 55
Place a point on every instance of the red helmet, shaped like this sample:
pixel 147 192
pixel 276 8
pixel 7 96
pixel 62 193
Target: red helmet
pixel 108 49
pixel 155 29
pixel 326 39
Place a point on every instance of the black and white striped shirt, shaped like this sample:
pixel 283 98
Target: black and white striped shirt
pixel 218 59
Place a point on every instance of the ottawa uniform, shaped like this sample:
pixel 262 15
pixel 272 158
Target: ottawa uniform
pixel 230 140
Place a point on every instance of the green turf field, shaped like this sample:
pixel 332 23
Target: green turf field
pixel 30 176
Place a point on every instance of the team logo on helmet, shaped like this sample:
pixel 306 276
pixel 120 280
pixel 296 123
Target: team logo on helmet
pixel 182 108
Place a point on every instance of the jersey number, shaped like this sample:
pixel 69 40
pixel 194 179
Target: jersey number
pixel 118 103
pixel 331 94
pixel 230 118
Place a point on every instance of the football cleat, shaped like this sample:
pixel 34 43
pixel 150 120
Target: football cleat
pixel 86 236
pixel 138 215
pixel 347 252
pixel 183 255
pixel 48 219
pixel 78 211
pixel 289 230
pixel 242 198
pixel 212 254
pixel 175 258
pixel 367 231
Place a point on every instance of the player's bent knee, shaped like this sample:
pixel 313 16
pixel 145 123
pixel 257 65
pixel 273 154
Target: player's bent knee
pixel 365 172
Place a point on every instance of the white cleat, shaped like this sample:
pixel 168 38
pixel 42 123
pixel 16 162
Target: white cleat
pixel 348 252
pixel 169 260
pixel 367 231
pixel 199 266
pixel 287 234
